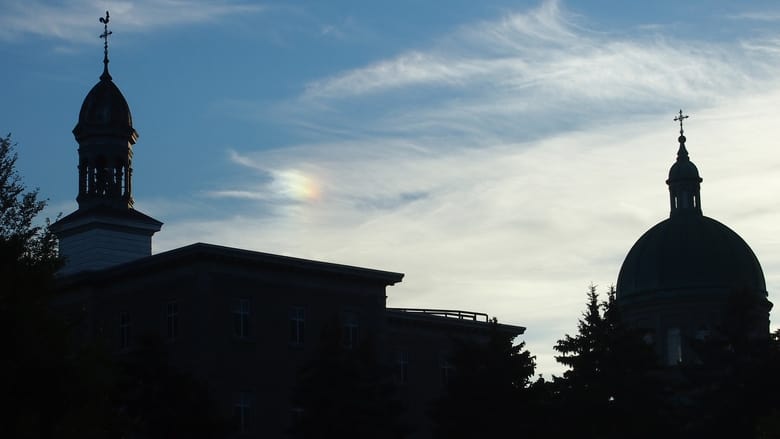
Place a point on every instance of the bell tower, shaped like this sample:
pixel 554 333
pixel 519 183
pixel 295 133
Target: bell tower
pixel 106 230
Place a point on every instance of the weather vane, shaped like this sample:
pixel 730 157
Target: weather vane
pixel 104 36
pixel 680 119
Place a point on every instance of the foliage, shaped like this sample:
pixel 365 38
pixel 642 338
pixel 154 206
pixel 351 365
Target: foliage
pixel 54 384
pixel 612 386
pixel 50 388
pixel 19 208
pixel 158 401
pixel 491 393
pixel 346 393
pixel 732 387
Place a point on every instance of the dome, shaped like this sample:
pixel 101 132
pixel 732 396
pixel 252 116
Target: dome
pixel 105 112
pixel 690 252
pixel 683 170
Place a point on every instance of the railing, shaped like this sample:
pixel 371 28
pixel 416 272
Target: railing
pixel 449 313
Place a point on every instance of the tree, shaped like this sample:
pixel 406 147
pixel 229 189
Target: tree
pixel 49 388
pixel 158 401
pixel 491 393
pixel 611 388
pixel 347 393
pixel 731 389
pixel 53 386
pixel 21 237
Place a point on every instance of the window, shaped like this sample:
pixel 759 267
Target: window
pixel 446 370
pixel 241 318
pixel 297 416
pixel 402 366
pixel 349 330
pixel 241 408
pixel 673 347
pixel 124 330
pixel 172 320
pixel 297 325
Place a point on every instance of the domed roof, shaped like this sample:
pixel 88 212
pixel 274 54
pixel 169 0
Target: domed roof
pixel 690 252
pixel 105 112
pixel 683 169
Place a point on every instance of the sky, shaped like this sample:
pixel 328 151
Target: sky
pixel 503 155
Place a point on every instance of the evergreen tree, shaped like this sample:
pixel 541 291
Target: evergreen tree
pixel 611 388
pixel 732 387
pixel 346 393
pixel 491 393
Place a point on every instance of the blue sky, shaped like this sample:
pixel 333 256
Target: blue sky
pixel 504 155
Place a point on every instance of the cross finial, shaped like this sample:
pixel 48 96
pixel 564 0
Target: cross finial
pixel 680 119
pixel 104 36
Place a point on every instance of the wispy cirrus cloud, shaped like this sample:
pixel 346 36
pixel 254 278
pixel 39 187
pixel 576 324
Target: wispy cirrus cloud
pixel 541 67
pixel 75 21
pixel 767 16
pixel 528 179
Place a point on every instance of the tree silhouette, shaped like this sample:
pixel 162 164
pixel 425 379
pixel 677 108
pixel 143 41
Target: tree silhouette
pixel 612 387
pixel 50 388
pixel 54 384
pixel 491 393
pixel 732 388
pixel 159 401
pixel 346 392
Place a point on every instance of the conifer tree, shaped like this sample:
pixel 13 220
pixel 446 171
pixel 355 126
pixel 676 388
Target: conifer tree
pixel 611 387
pixel 491 393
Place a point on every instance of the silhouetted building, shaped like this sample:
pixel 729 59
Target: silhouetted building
pixel 243 322
pixel 680 278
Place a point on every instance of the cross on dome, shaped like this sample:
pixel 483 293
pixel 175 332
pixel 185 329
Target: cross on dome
pixel 680 119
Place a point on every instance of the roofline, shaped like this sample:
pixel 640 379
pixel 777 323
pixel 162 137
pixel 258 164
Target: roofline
pixel 453 317
pixel 211 251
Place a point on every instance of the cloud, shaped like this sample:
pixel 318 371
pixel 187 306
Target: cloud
pixel 768 16
pixel 506 166
pixel 77 21
pixel 542 51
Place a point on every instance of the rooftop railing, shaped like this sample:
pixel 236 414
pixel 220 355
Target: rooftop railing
pixel 449 313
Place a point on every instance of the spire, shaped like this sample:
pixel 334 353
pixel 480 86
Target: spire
pixel 104 36
pixel 684 181
pixel 682 153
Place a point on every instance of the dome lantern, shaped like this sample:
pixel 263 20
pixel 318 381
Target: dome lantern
pixel 684 181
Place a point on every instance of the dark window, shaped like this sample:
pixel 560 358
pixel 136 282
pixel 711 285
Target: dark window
pixel 297 416
pixel 446 371
pixel 172 320
pixel 349 330
pixel 241 412
pixel 297 325
pixel 402 366
pixel 124 330
pixel 241 318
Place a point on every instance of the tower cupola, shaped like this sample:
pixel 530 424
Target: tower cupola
pixel 106 137
pixel 684 181
pixel 105 230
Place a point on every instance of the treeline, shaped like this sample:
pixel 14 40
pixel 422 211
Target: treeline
pixel 614 387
